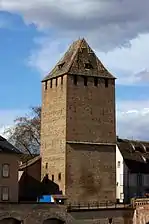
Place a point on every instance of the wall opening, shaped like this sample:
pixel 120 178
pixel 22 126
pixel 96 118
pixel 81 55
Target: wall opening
pixel 106 83
pixel 85 81
pixel 95 81
pixel 53 221
pixel 10 221
pixel 75 80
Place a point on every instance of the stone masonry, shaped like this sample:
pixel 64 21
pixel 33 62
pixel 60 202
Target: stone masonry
pixel 78 137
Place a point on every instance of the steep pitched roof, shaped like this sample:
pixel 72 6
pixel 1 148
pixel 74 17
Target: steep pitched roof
pixel 74 61
pixel 6 147
pixel 135 155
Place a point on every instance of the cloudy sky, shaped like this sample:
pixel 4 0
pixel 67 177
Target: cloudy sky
pixel 35 33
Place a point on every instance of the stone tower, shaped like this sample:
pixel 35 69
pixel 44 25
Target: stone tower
pixel 78 136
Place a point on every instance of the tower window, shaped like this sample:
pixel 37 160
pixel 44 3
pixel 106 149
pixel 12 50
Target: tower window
pixel 106 83
pixel 95 81
pixel 59 176
pixel 52 177
pixel 88 66
pixel 85 81
pixel 56 81
pixel 51 83
pixel 61 65
pixel 46 85
pixel 75 80
pixel 62 80
pixel 46 165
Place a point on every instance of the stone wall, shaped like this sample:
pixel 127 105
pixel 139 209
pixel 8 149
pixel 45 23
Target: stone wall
pixel 90 111
pixel 38 213
pixel 53 130
pixel 90 173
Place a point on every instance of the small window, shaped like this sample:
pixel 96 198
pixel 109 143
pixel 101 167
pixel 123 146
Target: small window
pixel 61 65
pixel 85 81
pixel 106 83
pixel 5 170
pixel 5 193
pixel 56 82
pixel 75 80
pixel 62 80
pixel 59 176
pixel 51 83
pixel 95 81
pixel 118 164
pixel 52 177
pixel 46 85
pixel 46 165
pixel 88 66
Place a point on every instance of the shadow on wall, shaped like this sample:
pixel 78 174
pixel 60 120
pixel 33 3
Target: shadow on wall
pixel 10 221
pixel 30 188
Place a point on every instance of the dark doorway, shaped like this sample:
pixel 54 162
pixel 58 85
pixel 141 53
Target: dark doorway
pixel 10 221
pixel 53 221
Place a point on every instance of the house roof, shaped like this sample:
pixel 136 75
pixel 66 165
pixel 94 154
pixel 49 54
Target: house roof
pixel 135 154
pixel 7 147
pixel 29 162
pixel 74 60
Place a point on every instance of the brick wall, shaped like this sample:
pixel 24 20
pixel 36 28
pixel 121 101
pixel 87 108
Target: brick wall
pixel 53 130
pixel 90 173
pixel 91 111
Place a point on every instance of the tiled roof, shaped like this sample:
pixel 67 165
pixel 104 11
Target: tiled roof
pixel 74 61
pixel 135 154
pixel 29 162
pixel 6 147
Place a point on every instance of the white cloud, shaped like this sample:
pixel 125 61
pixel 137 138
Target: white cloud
pixel 129 65
pixel 133 119
pixel 118 27
pixel 7 118
pixel 108 23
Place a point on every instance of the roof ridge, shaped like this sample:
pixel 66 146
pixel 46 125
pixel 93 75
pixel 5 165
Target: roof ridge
pixel 75 53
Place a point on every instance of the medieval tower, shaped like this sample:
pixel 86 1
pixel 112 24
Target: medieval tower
pixel 78 136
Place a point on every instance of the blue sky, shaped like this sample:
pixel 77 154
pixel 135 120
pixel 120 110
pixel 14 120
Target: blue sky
pixel 35 34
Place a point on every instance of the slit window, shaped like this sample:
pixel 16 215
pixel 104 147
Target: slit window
pixel 59 176
pixel 51 83
pixel 46 85
pixel 52 177
pixel 75 80
pixel 106 83
pixel 95 81
pixel 85 81
pixel 46 165
pixel 62 80
pixel 56 81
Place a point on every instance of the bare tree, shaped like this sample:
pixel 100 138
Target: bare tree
pixel 25 134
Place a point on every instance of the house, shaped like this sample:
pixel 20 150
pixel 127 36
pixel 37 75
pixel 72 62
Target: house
pixel 132 169
pixel 9 165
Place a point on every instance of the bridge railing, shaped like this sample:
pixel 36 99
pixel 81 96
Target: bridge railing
pixel 137 202
pixel 96 205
